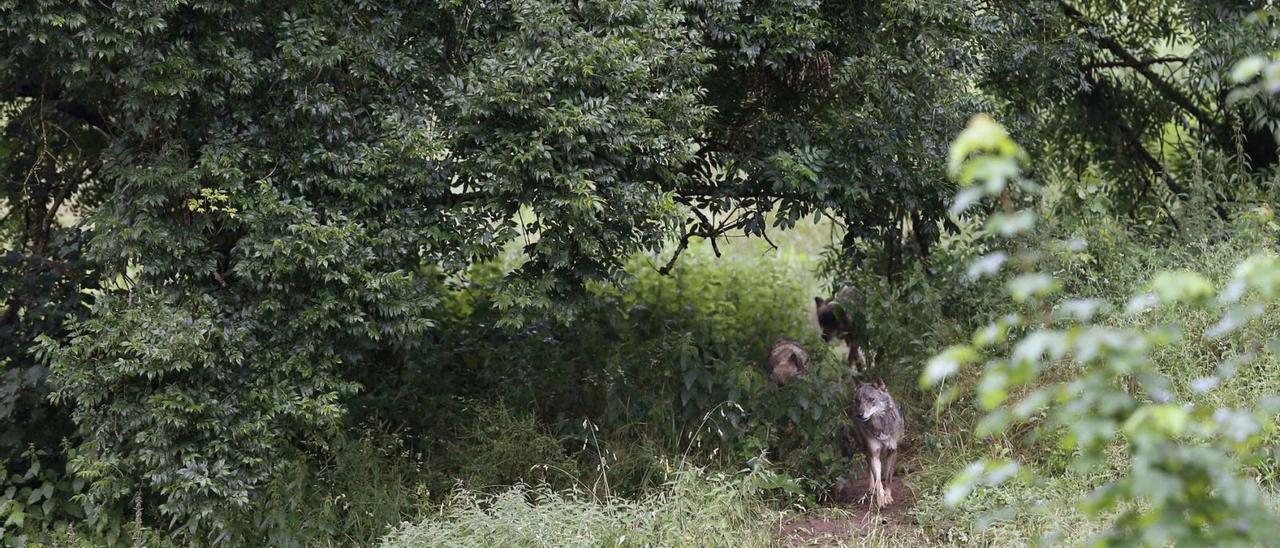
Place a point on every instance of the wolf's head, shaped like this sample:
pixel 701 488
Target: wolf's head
pixel 830 318
pixel 871 399
pixel 784 372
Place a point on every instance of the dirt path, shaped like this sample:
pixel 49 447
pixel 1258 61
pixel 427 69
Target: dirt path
pixel 855 521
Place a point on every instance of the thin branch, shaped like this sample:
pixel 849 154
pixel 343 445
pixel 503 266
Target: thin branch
pixel 765 233
pixel 671 263
pixel 710 231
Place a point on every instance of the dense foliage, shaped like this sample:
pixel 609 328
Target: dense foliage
pixel 251 254
pixel 1184 484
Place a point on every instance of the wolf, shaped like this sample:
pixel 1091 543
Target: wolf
pixel 878 422
pixel 837 323
pixel 787 359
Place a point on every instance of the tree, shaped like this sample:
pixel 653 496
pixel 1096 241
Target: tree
pixel 1135 88
pixel 259 204
pixel 280 194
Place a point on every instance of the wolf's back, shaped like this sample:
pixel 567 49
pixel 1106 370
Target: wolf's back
pixel 787 350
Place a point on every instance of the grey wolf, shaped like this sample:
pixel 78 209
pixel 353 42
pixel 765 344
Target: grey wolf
pixel 878 422
pixel 787 359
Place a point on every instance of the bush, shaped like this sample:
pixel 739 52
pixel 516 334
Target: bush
pixel 661 367
pixel 1169 463
pixel 500 448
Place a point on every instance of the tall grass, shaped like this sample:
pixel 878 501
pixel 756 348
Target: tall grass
pixel 692 508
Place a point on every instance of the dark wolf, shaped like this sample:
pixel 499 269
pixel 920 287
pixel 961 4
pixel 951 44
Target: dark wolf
pixel 878 422
pixel 838 322
pixel 786 359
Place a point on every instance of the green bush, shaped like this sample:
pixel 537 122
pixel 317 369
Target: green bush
pixel 1169 465
pixel 660 367
pixel 500 448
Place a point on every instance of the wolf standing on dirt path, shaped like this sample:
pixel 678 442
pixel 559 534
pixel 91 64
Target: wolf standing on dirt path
pixel 878 421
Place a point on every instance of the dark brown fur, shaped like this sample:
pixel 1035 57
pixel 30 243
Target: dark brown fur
pixel 787 359
pixel 878 423
pixel 835 324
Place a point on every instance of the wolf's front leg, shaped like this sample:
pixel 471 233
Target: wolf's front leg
pixel 876 481
pixel 871 476
pixel 890 461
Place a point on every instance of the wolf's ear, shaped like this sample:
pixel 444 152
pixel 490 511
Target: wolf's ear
pixel 819 301
pixel 880 384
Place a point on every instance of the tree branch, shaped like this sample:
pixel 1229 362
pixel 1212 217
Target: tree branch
pixel 1140 63
pixel 1157 170
pixel 709 230
pixel 1165 88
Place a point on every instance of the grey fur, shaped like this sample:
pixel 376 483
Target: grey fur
pixel 878 422
pixel 787 359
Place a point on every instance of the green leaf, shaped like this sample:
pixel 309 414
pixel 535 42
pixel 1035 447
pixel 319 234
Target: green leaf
pixel 16 518
pixel 1166 419
pixel 994 422
pixel 1234 318
pixel 982 135
pixel 1035 401
pixel 1181 287
pixel 1011 224
pixel 988 472
pixel 993 387
pixel 965 199
pixel 1080 310
pixel 1260 272
pixel 995 332
pixel 1247 69
pixel 1036 284
pixel 987 265
pixel 946 364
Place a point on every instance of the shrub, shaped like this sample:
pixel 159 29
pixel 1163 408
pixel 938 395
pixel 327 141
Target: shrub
pixel 661 367
pixel 1172 463
pixel 499 448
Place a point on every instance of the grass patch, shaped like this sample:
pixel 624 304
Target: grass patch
pixel 693 508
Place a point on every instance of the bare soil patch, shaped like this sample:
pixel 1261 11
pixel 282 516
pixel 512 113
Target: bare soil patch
pixel 852 519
